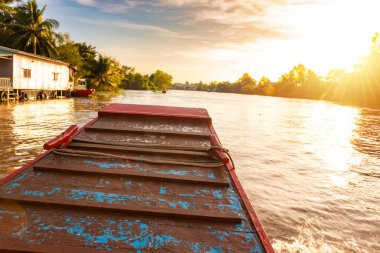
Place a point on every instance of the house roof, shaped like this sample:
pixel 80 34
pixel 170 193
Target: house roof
pixel 5 51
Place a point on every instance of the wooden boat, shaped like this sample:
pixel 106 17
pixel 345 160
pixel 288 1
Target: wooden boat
pixel 135 179
pixel 82 93
pixel 80 89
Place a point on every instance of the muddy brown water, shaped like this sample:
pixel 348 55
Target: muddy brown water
pixel 310 168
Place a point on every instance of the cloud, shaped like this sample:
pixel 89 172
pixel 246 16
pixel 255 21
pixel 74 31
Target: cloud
pixel 207 23
pixel 112 6
pixel 132 26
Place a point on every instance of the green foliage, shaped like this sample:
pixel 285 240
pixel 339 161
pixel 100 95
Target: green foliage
pixel 161 80
pixel 68 51
pixel 30 32
pixel 137 81
pixel 224 87
pixel 264 87
pixel 361 87
pixel 23 27
pixel 6 12
pixel 246 84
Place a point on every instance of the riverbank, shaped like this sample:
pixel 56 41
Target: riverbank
pixel 335 101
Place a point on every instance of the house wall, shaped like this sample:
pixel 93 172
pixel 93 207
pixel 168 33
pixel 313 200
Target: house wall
pixel 5 68
pixel 42 77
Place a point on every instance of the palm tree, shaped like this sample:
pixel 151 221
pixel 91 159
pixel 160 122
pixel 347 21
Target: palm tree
pixel 100 70
pixel 31 32
pixel 4 6
pixel 5 15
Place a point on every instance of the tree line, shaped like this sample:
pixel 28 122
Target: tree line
pixel 360 87
pixel 23 27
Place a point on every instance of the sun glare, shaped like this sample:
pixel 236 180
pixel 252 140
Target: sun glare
pixel 338 124
pixel 323 36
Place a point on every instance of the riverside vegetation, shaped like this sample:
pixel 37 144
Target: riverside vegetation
pixel 22 27
pixel 360 87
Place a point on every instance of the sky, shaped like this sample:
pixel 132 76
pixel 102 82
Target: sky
pixel 219 40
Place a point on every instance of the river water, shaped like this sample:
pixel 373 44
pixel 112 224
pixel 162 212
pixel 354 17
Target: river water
pixel 310 168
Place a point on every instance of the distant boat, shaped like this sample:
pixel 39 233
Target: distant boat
pixel 82 93
pixel 80 89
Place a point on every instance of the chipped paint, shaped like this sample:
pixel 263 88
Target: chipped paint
pixel 107 231
pixel 177 172
pixel 218 194
pixel 211 175
pixel 163 190
pixel 128 184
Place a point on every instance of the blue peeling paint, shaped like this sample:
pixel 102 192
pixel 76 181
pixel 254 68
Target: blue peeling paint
pixel 234 205
pixel 162 239
pixel 55 190
pixel 102 197
pixel 216 249
pixel 20 177
pixel 195 247
pixel 128 184
pixel 139 235
pixel 7 212
pixel 140 243
pixel 163 190
pixel 211 175
pixel 138 167
pixel 13 186
pixel 187 195
pixel 184 204
pixel 112 165
pixel 218 194
pixel 34 193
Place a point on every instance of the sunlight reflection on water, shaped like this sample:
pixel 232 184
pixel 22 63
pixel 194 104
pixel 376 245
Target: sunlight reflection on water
pixel 310 168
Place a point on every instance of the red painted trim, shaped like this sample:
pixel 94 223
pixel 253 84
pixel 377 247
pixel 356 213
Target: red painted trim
pixel 256 222
pixel 42 155
pixel 176 113
pixel 215 142
pixel 153 110
pixel 61 139
pixel 82 93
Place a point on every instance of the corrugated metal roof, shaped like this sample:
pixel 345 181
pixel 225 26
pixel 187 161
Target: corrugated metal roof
pixel 10 51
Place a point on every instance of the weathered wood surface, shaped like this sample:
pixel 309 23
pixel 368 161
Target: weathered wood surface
pixel 89 204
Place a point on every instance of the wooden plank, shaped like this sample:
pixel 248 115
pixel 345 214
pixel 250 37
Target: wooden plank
pixel 91 146
pixel 146 175
pixel 131 209
pixel 145 131
pixel 22 247
pixel 154 110
pixel 143 145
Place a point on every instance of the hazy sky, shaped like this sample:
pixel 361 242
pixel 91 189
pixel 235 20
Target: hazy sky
pixel 221 39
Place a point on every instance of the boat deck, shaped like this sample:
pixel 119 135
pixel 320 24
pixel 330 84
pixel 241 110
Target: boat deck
pixel 135 179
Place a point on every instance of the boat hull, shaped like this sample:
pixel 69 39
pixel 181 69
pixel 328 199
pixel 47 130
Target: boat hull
pixel 135 179
pixel 82 93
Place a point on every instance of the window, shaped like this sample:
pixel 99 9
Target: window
pixel 27 73
pixel 55 76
